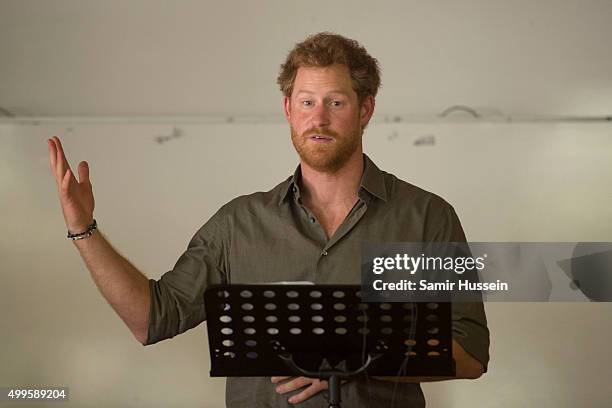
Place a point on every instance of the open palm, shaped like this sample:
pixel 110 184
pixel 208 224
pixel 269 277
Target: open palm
pixel 76 197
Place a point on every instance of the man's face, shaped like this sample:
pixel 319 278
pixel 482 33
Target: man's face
pixel 325 118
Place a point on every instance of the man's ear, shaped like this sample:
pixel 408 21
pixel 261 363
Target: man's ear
pixel 287 107
pixel 367 110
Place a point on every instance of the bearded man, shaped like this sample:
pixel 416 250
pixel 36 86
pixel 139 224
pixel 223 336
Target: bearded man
pixel 310 227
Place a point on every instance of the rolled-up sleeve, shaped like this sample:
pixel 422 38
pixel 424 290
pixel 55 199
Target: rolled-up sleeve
pixel 177 298
pixel 470 330
pixel 469 322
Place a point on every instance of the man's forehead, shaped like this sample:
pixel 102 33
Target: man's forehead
pixel 333 79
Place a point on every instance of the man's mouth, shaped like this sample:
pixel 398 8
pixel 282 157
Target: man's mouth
pixel 321 138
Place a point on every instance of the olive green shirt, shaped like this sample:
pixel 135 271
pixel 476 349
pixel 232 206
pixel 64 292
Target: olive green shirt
pixel 271 236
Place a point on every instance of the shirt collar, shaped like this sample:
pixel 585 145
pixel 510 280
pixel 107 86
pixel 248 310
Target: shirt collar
pixel 372 181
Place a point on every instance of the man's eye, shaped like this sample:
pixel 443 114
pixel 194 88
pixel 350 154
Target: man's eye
pixel 306 103
pixel 336 103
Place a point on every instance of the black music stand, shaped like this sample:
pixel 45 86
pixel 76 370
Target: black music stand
pixel 325 332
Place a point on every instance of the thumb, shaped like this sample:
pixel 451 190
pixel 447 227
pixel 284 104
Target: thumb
pixel 83 172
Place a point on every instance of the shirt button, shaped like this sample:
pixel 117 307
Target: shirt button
pixel 312 220
pixel 294 189
pixel 324 253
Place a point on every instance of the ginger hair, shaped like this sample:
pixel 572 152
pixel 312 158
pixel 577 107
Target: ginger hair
pixel 326 48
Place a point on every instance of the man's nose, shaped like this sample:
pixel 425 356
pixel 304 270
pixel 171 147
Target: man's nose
pixel 320 115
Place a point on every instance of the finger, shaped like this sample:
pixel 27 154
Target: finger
pixel 66 181
pixel 59 170
pixel 83 172
pixel 52 154
pixel 316 387
pixel 57 163
pixel 278 379
pixel 62 163
pixel 293 385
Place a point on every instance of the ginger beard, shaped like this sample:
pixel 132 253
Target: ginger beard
pixel 329 156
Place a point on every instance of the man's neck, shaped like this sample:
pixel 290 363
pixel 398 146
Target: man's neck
pixel 323 190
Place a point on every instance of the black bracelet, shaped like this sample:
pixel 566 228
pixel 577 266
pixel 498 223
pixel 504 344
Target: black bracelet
pixel 85 234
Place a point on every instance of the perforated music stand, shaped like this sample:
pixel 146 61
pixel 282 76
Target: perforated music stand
pixel 325 332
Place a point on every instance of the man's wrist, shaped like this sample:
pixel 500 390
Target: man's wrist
pixel 85 233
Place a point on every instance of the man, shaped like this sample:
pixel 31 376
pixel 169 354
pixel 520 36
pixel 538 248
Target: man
pixel 309 227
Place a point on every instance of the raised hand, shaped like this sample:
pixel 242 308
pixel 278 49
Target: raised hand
pixel 76 197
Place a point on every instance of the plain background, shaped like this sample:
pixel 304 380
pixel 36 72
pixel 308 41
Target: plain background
pixel 112 78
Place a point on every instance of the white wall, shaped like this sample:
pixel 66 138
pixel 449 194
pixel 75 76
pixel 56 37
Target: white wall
pixel 152 57
pixel 522 182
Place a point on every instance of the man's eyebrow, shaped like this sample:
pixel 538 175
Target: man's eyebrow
pixel 338 91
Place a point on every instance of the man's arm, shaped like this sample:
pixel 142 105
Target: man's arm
pixel 123 286
pixel 466 367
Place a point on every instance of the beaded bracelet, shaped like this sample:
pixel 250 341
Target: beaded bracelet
pixel 85 234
